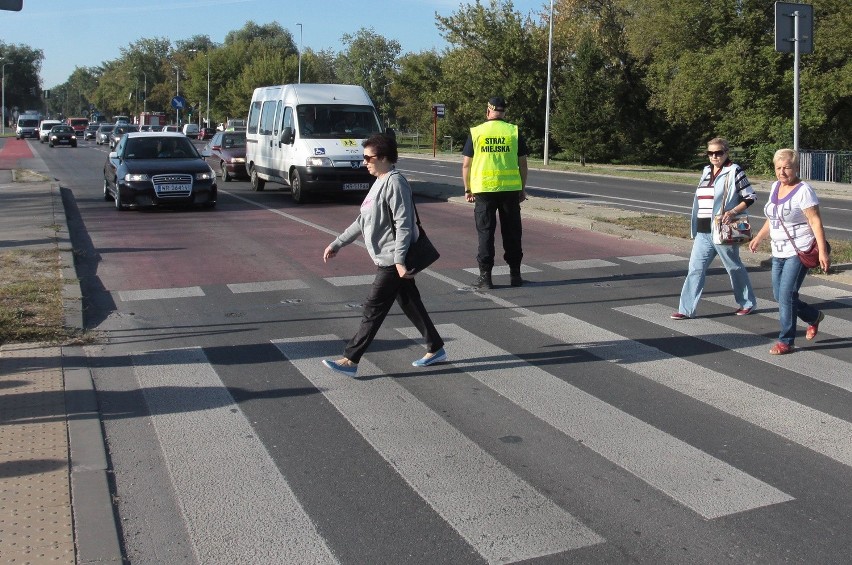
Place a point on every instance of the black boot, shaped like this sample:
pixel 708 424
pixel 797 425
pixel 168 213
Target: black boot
pixel 484 280
pixel 515 276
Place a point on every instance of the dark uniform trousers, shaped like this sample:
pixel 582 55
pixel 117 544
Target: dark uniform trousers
pixel 486 209
pixel 387 287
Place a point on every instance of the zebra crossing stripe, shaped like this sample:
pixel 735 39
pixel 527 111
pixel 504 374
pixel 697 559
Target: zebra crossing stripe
pixel 658 258
pixel 238 508
pixel 266 286
pixel 830 324
pixel 806 363
pixel 158 293
pixel 501 516
pixel 708 486
pixel 581 264
pixel 815 430
pixel 828 293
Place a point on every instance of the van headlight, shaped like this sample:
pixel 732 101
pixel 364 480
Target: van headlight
pixel 318 162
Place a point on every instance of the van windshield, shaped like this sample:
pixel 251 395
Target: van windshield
pixel 336 121
pixel 27 123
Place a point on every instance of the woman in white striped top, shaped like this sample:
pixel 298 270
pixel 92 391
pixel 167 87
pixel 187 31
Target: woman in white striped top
pixel 708 202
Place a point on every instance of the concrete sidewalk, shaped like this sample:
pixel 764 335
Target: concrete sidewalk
pixel 55 504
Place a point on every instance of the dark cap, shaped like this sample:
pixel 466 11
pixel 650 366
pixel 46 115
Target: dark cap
pixel 497 104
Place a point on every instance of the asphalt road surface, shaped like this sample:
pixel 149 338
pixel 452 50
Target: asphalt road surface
pixel 574 422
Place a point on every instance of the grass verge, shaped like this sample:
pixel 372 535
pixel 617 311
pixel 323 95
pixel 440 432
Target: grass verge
pixel 31 307
pixel 679 226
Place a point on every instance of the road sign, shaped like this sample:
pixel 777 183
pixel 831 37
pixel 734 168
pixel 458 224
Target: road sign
pixel 178 102
pixel 785 24
pixel 438 109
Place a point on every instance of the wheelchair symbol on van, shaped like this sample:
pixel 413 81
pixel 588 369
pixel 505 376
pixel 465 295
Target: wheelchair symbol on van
pixel 319 151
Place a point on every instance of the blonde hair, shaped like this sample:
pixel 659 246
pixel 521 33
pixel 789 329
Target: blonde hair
pixel 719 141
pixel 786 155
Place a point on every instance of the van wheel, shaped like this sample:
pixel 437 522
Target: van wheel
pixel 296 187
pixel 226 176
pixel 257 183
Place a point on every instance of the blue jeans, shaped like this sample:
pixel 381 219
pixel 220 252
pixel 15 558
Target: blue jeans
pixel 787 276
pixel 703 252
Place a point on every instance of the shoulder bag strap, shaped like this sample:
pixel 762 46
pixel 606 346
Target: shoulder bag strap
pixel 781 221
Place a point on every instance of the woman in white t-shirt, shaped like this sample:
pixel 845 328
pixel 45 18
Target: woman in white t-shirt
pixel 793 205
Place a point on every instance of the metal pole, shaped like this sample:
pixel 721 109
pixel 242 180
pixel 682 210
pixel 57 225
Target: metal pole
pixel 208 88
pixel 177 93
pixel 796 82
pixel 300 52
pixel 547 103
pixel 3 106
pixel 145 93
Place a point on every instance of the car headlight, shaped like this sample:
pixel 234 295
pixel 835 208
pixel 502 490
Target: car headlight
pixel 318 162
pixel 238 160
pixel 73 137
pixel 53 137
pixel 205 176
pixel 135 177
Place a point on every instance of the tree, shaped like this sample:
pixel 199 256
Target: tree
pixel 23 89
pixel 414 90
pixel 498 52
pixel 583 121
pixel 369 60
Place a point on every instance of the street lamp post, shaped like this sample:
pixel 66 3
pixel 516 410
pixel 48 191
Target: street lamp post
pixel 3 110
pixel 177 92
pixel 206 54
pixel 300 52
pixel 547 103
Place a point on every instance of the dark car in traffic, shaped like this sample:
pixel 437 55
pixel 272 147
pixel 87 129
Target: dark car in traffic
pixel 151 169
pixel 118 131
pixel 62 135
pixel 226 154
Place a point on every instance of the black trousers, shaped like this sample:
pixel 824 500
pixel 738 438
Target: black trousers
pixel 486 209
pixel 387 287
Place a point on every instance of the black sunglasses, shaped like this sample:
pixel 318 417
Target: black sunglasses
pixel 368 158
pixel 715 153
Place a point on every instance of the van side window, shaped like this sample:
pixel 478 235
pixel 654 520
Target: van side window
pixel 254 117
pixel 287 120
pixel 267 118
pixel 278 107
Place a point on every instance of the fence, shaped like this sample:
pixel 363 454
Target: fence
pixel 831 166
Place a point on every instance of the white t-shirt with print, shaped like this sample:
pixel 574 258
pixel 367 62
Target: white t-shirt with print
pixel 790 210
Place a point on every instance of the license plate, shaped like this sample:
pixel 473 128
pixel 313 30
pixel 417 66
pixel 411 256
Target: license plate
pixel 172 187
pixel 356 186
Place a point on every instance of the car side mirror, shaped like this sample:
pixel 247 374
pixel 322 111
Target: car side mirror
pixel 113 155
pixel 287 135
pixel 206 153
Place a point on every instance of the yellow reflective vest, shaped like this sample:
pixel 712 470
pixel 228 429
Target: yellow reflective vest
pixel 494 167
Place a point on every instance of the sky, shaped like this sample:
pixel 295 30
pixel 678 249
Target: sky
pixel 86 33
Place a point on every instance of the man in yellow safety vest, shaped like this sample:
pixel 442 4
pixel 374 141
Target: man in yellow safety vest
pixel 495 174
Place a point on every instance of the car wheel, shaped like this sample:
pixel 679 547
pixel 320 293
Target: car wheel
pixel 73 145
pixel 106 190
pixel 257 183
pixel 226 176
pixel 118 205
pixel 296 187
pixel 50 144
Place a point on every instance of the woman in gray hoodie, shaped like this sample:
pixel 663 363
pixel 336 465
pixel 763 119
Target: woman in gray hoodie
pixel 387 223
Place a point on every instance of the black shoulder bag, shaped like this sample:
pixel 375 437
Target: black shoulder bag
pixel 421 253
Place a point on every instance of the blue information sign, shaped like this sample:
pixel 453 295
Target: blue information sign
pixel 178 102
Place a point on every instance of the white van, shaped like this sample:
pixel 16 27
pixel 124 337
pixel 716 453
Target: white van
pixel 309 136
pixel 44 127
pixel 190 130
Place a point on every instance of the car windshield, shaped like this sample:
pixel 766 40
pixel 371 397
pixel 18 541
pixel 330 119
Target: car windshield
pixel 159 148
pixel 119 130
pixel 235 139
pixel 106 128
pixel 61 129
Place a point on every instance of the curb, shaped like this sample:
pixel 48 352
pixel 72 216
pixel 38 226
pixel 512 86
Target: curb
pixel 96 533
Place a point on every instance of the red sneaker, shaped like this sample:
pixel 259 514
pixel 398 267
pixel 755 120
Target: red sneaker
pixel 679 316
pixel 743 311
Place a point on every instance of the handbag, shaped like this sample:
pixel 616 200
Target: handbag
pixel 810 256
pixel 737 230
pixel 422 252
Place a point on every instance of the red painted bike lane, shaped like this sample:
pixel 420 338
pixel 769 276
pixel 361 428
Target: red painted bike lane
pixel 12 150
